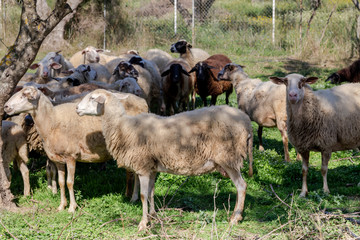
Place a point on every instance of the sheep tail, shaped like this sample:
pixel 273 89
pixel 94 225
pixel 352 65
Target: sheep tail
pixel 250 153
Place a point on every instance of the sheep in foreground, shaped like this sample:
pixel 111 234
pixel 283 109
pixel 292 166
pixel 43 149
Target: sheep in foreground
pixel 264 102
pixel 177 86
pixel 347 74
pixel 206 82
pixel 15 150
pixel 189 143
pixel 188 53
pixel 66 136
pixel 323 121
pixel 159 57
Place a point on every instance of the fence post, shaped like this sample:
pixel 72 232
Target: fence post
pixel 104 43
pixel 193 23
pixel 273 22
pixel 175 16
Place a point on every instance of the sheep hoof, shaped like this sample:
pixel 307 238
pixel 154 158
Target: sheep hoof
pixel 72 209
pixel 142 225
pixel 61 207
pixel 134 199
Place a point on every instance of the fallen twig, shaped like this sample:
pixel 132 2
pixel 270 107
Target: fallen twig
pixel 72 220
pixel 7 230
pixel 346 158
pixel 176 192
pixel 272 189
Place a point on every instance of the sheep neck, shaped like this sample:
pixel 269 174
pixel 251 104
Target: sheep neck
pixel 244 87
pixel 304 121
pixel 43 116
pixel 189 57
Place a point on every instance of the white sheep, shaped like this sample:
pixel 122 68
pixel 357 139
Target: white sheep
pixel 323 121
pixel 66 136
pixel 189 143
pixel 15 150
pixel 188 53
pixel 264 102
pixel 159 57
pixel 89 55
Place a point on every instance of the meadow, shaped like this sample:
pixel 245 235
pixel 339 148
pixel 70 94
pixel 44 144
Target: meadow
pixel 198 207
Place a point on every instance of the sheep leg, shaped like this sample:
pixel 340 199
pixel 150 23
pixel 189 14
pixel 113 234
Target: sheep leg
pixel 286 144
pixel 227 97
pixel 7 171
pixel 71 166
pixel 151 190
pixel 193 99
pixel 305 168
pixel 240 185
pixel 260 131
pixel 325 157
pixel 204 101
pixel 130 179
pixel 144 195
pixel 135 194
pixel 51 175
pixel 25 175
pixel 61 180
pixel 213 100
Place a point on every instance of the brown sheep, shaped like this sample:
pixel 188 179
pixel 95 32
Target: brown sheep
pixel 348 74
pixel 206 82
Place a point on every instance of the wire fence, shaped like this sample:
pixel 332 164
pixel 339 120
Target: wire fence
pixel 257 24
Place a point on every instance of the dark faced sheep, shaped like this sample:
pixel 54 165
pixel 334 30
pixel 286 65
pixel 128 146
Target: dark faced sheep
pixel 206 83
pixel 177 84
pixel 348 74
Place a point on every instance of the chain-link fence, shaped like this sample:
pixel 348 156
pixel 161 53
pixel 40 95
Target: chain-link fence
pixel 238 26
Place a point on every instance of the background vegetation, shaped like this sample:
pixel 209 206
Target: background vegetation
pixel 199 207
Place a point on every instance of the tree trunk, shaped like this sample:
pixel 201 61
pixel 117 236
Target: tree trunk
pixel 55 40
pixel 14 65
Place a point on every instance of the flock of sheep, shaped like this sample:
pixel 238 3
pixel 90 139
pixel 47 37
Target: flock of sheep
pixel 96 107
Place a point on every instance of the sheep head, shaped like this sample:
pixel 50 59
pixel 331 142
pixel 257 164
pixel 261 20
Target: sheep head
pixel 91 54
pixel 180 47
pixel 295 86
pixel 203 71
pixel 228 70
pixel 334 78
pixel 94 103
pixel 175 72
pixel 125 69
pixel 137 60
pixel 23 101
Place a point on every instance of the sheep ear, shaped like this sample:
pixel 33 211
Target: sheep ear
pixel 279 80
pixel 99 50
pixel 311 80
pixel 193 69
pixel 100 99
pixel 55 65
pixel 46 91
pixel 167 72
pixel 185 72
pixel 115 70
pixel 189 45
pixel 83 52
pixel 34 66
